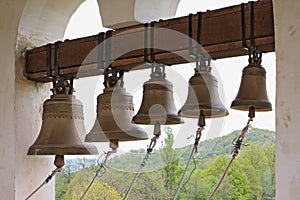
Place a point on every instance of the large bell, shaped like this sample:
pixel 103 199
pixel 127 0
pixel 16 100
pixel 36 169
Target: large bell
pixel 203 95
pixel 61 128
pixel 158 103
pixel 114 114
pixel 252 91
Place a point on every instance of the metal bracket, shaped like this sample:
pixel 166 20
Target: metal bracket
pixel 56 59
pixel 100 50
pixel 48 59
pixel 108 49
pixel 146 28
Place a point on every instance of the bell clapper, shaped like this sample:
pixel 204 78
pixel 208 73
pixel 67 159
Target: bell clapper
pixel 236 149
pixel 114 144
pixel 201 124
pixel 59 163
pixel 156 133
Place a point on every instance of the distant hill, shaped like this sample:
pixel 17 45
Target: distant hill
pixel 207 149
pixel 252 175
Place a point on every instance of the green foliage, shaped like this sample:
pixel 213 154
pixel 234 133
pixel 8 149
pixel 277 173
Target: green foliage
pixel 268 177
pixel 171 170
pixel 251 176
pixel 98 191
pixel 222 145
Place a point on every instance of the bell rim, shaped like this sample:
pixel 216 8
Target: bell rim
pixel 98 136
pixel 170 119
pixel 244 105
pixel 58 150
pixel 218 111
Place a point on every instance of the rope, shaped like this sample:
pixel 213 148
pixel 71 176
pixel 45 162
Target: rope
pixel 234 153
pixel 194 150
pixel 188 179
pixel 143 164
pixel 45 182
pixel 102 166
pixel 221 179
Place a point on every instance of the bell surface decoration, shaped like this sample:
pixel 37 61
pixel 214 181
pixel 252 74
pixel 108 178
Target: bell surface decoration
pixel 114 113
pixel 62 128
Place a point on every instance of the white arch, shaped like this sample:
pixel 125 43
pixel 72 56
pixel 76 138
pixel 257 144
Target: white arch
pixel 40 22
pixel 45 21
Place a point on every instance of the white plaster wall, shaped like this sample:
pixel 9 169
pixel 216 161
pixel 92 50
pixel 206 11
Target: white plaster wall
pixel 117 14
pixel 41 22
pixel 30 23
pixel 287 33
pixel 45 21
pixel 30 171
pixel 147 11
pixel 9 20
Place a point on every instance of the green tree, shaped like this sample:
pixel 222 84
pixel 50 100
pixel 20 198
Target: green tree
pixel 171 171
pixel 268 178
pixel 252 162
pixel 98 191
pixel 235 184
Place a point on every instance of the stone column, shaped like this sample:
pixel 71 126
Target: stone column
pixel 287 41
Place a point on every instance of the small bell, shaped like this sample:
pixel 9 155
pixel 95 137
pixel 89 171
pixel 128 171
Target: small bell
pixel 252 91
pixel 114 114
pixel 158 103
pixel 203 95
pixel 62 126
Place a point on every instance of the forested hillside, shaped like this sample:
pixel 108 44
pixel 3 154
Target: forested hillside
pixel 252 175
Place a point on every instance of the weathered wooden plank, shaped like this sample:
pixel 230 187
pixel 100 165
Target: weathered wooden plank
pixel 220 37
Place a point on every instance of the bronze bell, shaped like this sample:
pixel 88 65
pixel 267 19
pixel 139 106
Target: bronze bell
pixel 62 127
pixel 114 113
pixel 158 103
pixel 203 95
pixel 252 91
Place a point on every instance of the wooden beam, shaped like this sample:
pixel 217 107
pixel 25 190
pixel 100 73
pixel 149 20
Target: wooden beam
pixel 220 37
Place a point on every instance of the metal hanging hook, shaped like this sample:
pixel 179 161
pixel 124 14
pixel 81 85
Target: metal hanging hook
pixel 158 71
pixel 255 55
pixel 201 58
pixel 112 77
pixel 62 85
